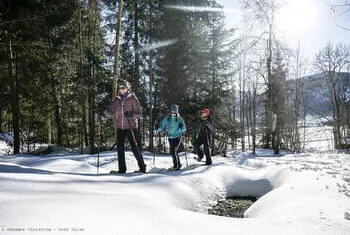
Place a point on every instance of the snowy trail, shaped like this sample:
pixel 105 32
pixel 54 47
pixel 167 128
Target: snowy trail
pixel 298 194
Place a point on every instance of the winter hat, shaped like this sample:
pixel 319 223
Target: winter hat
pixel 124 83
pixel 174 108
pixel 205 112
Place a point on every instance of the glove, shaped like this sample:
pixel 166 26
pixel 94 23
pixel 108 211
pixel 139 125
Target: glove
pixel 156 126
pixel 101 115
pixel 129 114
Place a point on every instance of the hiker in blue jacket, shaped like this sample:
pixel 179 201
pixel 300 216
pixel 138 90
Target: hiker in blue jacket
pixel 175 128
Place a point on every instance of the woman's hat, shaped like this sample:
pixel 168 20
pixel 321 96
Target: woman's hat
pixel 174 108
pixel 205 112
pixel 124 83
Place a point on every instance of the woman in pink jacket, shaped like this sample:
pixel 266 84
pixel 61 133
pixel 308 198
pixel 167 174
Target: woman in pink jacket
pixel 128 111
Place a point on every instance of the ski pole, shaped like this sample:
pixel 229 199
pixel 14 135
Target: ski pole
pixel 186 152
pixel 154 155
pixel 134 138
pixel 177 152
pixel 185 149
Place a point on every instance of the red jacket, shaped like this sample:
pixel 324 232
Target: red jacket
pixel 119 106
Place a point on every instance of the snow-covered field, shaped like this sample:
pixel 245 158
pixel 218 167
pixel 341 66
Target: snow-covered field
pixel 62 194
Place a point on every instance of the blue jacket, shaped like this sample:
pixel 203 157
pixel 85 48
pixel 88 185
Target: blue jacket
pixel 174 125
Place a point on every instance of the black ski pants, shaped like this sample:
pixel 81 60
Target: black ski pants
pixel 203 140
pixel 174 151
pixel 133 139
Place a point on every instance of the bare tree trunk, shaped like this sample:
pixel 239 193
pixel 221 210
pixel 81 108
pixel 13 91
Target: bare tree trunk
pixel 85 133
pixel 57 115
pixel 14 100
pixel 81 126
pixel 252 114
pixel 136 78
pixel 151 124
pixel 254 119
pixel 268 108
pixel 93 26
pixel 116 59
pixel 49 131
pixel 116 52
pixel 246 107
pixel 242 102
pixel 298 93
pixel 233 121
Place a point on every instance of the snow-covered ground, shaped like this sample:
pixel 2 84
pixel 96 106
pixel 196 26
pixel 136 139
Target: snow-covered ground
pixel 62 194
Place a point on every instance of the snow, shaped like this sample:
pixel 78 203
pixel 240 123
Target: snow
pixel 61 193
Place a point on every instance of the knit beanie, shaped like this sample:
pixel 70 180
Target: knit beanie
pixel 174 108
pixel 205 112
pixel 124 83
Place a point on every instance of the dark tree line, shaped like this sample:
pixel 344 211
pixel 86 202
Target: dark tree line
pixel 61 58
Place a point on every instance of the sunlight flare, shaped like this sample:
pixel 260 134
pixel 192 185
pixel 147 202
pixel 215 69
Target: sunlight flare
pixel 199 9
pixel 297 16
pixel 150 47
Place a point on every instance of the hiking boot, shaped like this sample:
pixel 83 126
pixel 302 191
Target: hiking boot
pixel 178 167
pixel 208 163
pixel 199 159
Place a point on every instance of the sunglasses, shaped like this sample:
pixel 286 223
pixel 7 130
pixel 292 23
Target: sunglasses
pixel 121 88
pixel 172 112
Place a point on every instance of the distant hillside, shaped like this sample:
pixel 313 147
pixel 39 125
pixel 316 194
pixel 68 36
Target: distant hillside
pixel 316 92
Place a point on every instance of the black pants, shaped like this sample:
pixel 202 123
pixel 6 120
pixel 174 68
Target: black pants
pixel 203 140
pixel 174 148
pixel 121 135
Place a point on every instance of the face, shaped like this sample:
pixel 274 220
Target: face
pixel 122 90
pixel 172 113
pixel 203 115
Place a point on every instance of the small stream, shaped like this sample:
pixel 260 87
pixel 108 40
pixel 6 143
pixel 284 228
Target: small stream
pixel 232 207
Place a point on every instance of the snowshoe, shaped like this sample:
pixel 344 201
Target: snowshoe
pixel 140 171
pixel 173 168
pixel 178 167
pixel 198 159
pixel 117 172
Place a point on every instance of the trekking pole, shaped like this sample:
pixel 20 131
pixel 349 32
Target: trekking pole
pixel 134 138
pixel 154 155
pixel 186 152
pixel 185 149
pixel 177 151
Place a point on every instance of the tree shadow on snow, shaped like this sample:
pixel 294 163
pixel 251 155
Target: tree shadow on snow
pixel 20 169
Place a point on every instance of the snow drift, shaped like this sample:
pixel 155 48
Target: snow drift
pixel 58 194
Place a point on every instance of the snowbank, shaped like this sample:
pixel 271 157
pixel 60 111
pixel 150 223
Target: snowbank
pixel 297 194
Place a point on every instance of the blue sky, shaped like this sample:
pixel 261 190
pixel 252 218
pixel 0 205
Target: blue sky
pixel 311 22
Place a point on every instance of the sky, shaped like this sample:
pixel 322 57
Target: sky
pixel 310 22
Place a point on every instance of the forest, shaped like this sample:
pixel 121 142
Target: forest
pixel 60 61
